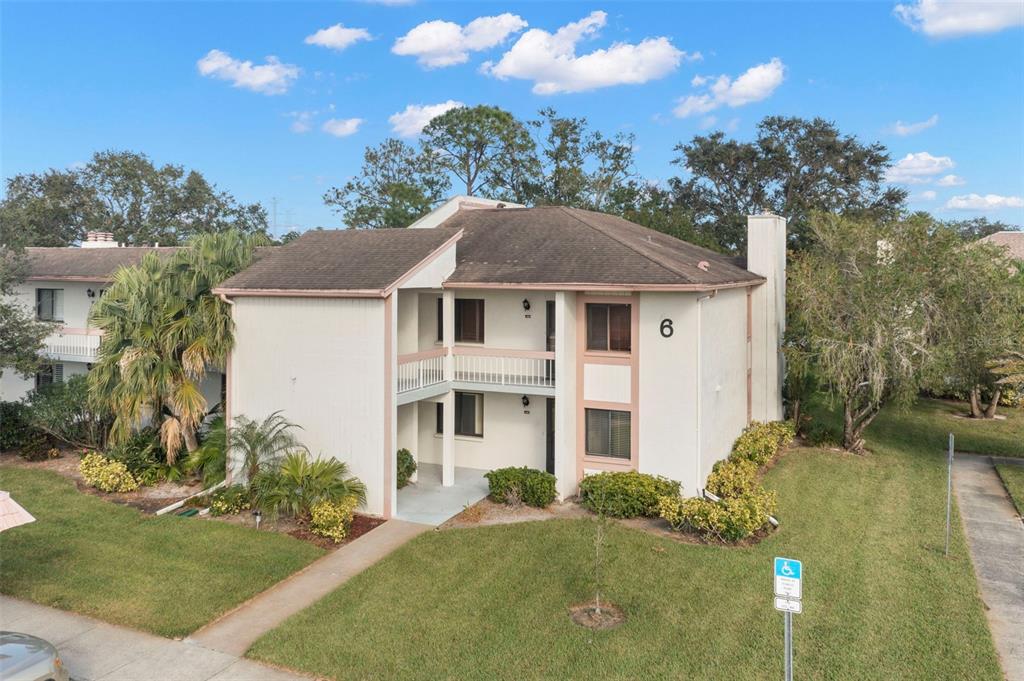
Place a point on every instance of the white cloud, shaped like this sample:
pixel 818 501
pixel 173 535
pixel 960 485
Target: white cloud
pixel 928 195
pixel 951 18
pixel 903 129
pixel 918 168
pixel 272 78
pixel 411 121
pixel 342 127
pixel 550 60
pixel 950 181
pixel 444 43
pixel 984 203
pixel 755 84
pixel 338 37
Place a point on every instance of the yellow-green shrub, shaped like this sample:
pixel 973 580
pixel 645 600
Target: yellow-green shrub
pixel 728 520
pixel 332 519
pixel 760 442
pixel 106 474
pixel 732 478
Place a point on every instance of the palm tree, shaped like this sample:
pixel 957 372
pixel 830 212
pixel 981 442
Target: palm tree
pixel 300 482
pixel 162 330
pixel 262 443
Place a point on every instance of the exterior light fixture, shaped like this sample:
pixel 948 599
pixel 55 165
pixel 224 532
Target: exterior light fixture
pixel 89 292
pixel 526 401
pixel 258 515
pixel 526 304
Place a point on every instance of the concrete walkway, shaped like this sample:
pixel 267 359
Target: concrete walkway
pixel 95 651
pixel 995 537
pixel 237 630
pixel 426 501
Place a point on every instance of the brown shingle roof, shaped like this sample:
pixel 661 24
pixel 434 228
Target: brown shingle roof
pixel 84 264
pixel 340 260
pixel 569 246
pixel 1011 241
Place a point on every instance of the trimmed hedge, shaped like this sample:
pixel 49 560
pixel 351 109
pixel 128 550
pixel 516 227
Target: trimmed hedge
pixel 527 485
pixel 626 495
pixel 729 520
pixel 760 442
pixel 732 478
pixel 333 519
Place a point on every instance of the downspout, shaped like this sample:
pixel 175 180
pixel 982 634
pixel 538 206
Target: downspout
pixel 228 478
pixel 700 378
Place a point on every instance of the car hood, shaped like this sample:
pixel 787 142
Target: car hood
pixel 19 652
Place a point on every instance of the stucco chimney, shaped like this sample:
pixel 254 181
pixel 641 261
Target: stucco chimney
pixel 766 255
pixel 99 240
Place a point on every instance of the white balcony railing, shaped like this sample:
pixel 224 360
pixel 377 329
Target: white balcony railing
pixel 420 370
pixel 73 345
pixel 523 368
pixel 487 366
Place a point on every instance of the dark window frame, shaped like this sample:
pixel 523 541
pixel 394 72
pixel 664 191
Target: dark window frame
pixel 460 317
pixel 616 337
pixel 52 304
pixel 608 450
pixel 478 405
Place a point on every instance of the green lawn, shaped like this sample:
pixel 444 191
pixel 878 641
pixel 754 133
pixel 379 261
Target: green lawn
pixel 491 603
pixel 1013 478
pixel 166 575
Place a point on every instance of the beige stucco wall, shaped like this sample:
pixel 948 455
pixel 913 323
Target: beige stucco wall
pixel 512 437
pixel 506 324
pixel 321 362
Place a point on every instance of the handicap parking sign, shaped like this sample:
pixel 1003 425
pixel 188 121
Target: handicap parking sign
pixel 788 578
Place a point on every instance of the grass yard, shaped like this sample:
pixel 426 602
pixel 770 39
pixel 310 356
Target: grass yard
pixel 880 601
pixel 1013 478
pixel 166 575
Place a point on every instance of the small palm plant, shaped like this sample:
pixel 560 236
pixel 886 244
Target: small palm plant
pixel 263 443
pixel 210 460
pixel 300 482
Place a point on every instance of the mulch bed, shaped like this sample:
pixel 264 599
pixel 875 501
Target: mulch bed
pixel 361 524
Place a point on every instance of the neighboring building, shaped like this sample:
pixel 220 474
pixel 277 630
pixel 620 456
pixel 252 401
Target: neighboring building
pixel 554 338
pixel 1013 242
pixel 61 286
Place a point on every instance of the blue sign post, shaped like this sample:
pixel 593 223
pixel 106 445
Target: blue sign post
pixel 789 576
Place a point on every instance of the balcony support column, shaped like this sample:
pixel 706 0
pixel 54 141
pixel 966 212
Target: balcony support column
pixel 448 436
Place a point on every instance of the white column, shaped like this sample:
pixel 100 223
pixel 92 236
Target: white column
pixel 448 437
pixel 565 393
pixel 414 409
pixel 766 255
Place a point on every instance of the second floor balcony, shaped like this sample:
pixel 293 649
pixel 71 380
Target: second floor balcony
pixel 72 345
pixel 475 368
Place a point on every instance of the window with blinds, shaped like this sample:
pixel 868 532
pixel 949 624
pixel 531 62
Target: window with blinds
pixel 49 374
pixel 50 304
pixel 469 320
pixel 608 327
pixel 608 433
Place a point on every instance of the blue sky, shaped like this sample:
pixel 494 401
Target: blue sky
pixel 88 76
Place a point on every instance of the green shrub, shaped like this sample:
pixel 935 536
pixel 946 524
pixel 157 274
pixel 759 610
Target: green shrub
pixel 15 426
pixel 36 446
pixel 144 457
pixel 729 520
pixel 333 519
pixel 106 474
pixel 732 478
pixel 527 485
pixel 760 442
pixel 229 500
pixel 300 482
pixel 626 495
pixel 406 467
pixel 65 412
pixel 821 435
pixel 209 461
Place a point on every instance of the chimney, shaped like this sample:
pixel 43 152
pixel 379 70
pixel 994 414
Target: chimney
pixel 766 256
pixel 99 240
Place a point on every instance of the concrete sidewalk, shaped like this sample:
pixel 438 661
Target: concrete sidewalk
pixel 995 537
pixel 95 651
pixel 237 630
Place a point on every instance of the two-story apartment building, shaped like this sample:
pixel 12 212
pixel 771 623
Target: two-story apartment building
pixel 487 336
pixel 61 286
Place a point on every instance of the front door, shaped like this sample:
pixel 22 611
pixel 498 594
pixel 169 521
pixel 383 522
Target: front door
pixel 551 436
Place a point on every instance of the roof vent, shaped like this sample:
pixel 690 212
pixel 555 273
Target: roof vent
pixel 703 265
pixel 99 240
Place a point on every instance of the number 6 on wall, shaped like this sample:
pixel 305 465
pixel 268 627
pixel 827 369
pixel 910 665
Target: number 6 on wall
pixel 666 328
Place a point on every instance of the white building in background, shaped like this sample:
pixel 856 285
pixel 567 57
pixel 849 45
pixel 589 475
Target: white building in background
pixel 492 336
pixel 61 286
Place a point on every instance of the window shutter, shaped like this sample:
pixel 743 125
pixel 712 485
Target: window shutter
pixel 58 305
pixel 58 373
